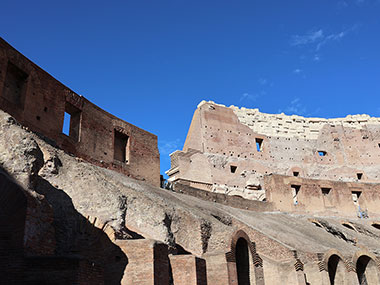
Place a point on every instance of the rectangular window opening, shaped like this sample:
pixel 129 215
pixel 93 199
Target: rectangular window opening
pixel 355 196
pixel 66 124
pixel 71 122
pixel 259 144
pixel 233 168
pixel 359 176
pixel 322 153
pixel 296 173
pixel 295 191
pixel 15 85
pixel 121 147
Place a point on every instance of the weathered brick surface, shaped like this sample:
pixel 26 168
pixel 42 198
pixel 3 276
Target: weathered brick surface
pixel 39 101
pixel 188 270
pixel 148 262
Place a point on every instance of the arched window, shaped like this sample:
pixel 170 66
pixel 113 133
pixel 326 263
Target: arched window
pixel 336 270
pixel 242 262
pixel 367 271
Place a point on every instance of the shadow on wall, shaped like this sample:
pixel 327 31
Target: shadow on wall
pixel 80 254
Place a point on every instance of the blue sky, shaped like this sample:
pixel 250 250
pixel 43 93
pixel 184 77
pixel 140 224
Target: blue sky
pixel 151 62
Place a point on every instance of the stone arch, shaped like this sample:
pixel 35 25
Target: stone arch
pixel 367 268
pixel 242 261
pixel 336 269
pixel 238 263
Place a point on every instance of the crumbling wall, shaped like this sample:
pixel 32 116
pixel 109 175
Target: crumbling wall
pixel 40 102
pixel 233 149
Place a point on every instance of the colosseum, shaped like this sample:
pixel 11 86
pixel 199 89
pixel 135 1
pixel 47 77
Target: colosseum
pixel 252 198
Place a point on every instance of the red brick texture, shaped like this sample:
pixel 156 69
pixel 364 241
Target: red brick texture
pixel 38 101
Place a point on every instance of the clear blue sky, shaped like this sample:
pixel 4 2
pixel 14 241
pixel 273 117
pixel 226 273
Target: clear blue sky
pixel 151 62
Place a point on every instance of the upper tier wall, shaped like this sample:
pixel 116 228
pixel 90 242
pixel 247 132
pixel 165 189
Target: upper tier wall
pixel 232 149
pixel 282 125
pixel 38 101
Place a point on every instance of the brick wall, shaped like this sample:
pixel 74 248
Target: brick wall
pixel 39 101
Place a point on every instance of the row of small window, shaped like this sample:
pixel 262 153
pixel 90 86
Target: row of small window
pixel 359 175
pixel 325 192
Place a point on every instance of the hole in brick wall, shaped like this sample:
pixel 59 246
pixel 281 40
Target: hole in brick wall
pixel 348 226
pixel 242 261
pixel 38 118
pixel 45 109
pixel 356 196
pixel 121 147
pixel 322 153
pixel 15 85
pixel 295 191
pixel 259 144
pixel 233 168
pixel 326 191
pixel 296 173
pixel 66 124
pixel 359 176
pixel 376 226
pixel 71 121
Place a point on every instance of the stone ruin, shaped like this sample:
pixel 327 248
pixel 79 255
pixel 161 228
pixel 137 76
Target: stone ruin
pixel 255 198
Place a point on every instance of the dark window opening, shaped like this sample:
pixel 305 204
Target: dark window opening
pixel 326 191
pixel 295 191
pixel 295 173
pixel 378 145
pixel 348 226
pixel 15 85
pixel 233 168
pixel 259 144
pixel 361 268
pixel 121 151
pixel 242 261
pixel 71 121
pixel 333 268
pixel 359 175
pixel 376 226
pixel 355 196
pixel 322 153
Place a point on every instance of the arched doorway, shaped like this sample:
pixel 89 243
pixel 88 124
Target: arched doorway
pixel 367 271
pixel 336 270
pixel 242 262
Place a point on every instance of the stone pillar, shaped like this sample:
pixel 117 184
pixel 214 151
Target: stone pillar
pixel 148 262
pixel 188 270
pixel 216 269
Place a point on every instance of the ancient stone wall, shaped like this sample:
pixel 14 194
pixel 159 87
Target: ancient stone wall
pixel 233 149
pixel 333 198
pixel 40 102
